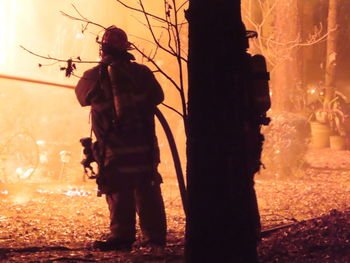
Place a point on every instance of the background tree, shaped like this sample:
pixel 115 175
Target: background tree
pixel 221 220
pixel 285 38
pixel 332 51
pixel 287 75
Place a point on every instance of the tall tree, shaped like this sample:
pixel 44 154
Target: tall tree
pixel 332 51
pixel 222 217
pixel 286 77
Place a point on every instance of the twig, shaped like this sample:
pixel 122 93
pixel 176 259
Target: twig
pixel 56 59
pixel 47 65
pixel 155 52
pixel 152 32
pixel 168 28
pixel 179 60
pixel 141 11
pixel 181 6
pixel 173 109
pixel 158 68
pixel 81 19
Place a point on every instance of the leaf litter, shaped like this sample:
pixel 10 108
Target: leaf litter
pixel 309 216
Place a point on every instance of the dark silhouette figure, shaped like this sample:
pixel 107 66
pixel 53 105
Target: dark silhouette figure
pixel 123 96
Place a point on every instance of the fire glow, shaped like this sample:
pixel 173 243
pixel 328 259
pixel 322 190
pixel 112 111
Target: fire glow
pixel 76 192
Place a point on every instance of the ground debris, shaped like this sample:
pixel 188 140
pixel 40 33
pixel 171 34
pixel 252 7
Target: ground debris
pixel 46 223
pixel 322 239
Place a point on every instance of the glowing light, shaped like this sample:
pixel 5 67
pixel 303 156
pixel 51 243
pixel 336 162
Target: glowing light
pixel 270 93
pixel 312 91
pixel 44 191
pixel 43 157
pixel 79 36
pixel 40 142
pixel 75 192
pixel 20 199
pixel 24 174
pixel 7 28
pixel 27 173
pixel 65 156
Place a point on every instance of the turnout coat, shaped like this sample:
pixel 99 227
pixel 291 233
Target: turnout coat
pixel 123 96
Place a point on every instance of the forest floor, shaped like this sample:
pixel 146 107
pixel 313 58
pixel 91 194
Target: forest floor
pixel 50 222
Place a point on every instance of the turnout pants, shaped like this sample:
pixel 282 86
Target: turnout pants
pixel 145 199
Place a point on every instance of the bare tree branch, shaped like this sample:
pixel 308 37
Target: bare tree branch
pixel 152 32
pixel 168 28
pixel 173 109
pixel 157 66
pixel 56 59
pixel 277 52
pixel 181 6
pixel 141 11
pixel 178 45
pixel 82 19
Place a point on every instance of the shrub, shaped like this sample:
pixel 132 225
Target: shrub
pixel 286 142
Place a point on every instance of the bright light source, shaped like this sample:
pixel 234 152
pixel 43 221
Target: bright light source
pixel 76 192
pixel 40 142
pixel 7 28
pixel 27 173
pixel 79 36
pixel 312 91
pixel 65 156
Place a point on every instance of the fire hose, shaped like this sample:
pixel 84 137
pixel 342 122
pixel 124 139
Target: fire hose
pixel 176 158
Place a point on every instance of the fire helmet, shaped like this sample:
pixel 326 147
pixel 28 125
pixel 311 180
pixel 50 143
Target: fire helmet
pixel 115 38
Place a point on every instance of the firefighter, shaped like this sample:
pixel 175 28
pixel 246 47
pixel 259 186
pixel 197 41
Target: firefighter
pixel 123 96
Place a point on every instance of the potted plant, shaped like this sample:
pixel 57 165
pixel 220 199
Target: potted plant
pixel 327 124
pixel 336 121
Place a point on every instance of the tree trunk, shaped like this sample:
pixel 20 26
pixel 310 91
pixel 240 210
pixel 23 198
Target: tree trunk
pixel 286 78
pixel 331 49
pixel 222 217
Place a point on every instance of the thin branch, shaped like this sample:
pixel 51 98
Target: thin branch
pixel 76 9
pixel 181 6
pixel 155 52
pixel 150 27
pixel 143 39
pixel 152 32
pixel 82 20
pixel 173 109
pixel 158 68
pixel 56 59
pixel 77 76
pixel 156 43
pixel 48 65
pixel 168 28
pixel 269 12
pixel 141 11
pixel 144 24
pixel 178 45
